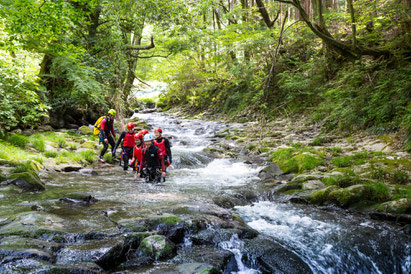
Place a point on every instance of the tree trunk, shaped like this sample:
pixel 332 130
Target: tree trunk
pixel 353 23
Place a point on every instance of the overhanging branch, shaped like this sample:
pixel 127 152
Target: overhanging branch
pixel 139 47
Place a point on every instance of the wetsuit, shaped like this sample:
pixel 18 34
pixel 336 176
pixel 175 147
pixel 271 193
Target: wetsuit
pixel 127 146
pixel 153 160
pixel 107 132
pixel 165 147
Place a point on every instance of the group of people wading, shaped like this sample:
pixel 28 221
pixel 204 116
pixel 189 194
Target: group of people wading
pixel 147 155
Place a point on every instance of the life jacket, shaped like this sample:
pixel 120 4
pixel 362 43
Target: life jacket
pixel 150 154
pixel 129 140
pixel 162 146
pixel 138 153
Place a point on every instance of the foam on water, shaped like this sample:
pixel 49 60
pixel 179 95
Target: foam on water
pixel 327 244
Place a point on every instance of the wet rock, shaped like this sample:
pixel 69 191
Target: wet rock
pixel 83 268
pixel 270 172
pixel 345 197
pixel 290 186
pixel 398 206
pixel 204 209
pixel 320 197
pixel 228 201
pixel 271 257
pixel 190 268
pixel 87 251
pixel 119 253
pixel 26 181
pixel 72 126
pixel 88 171
pixel 157 247
pixel 85 130
pixel 313 184
pixel 70 168
pixel 212 236
pixel 404 219
pixel 79 198
pixel 193 256
pixel 12 255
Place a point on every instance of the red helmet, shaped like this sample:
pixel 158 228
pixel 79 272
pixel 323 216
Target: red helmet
pixel 144 131
pixel 130 125
pixel 138 136
pixel 159 130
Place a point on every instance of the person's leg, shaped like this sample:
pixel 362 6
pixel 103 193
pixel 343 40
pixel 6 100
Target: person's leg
pixel 103 151
pixel 126 156
pixel 112 144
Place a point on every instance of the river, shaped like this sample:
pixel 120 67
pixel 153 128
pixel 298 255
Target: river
pixel 327 240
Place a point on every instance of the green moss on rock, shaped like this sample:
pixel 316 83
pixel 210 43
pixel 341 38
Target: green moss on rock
pixel 85 130
pixel 291 186
pixel 157 247
pixel 320 197
pixel 399 206
pixel 27 181
pixel 348 196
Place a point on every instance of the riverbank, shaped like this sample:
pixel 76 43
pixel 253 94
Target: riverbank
pixel 362 172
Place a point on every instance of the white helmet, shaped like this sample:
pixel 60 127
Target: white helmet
pixel 148 137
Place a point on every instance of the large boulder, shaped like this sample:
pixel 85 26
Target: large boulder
pixel 26 181
pixel 271 257
pixel 120 252
pixel 345 197
pixel 157 247
pixel 398 206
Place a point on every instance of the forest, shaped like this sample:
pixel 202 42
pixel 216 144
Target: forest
pixel 278 139
pixel 345 64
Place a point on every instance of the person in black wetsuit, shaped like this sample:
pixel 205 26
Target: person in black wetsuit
pixel 164 145
pixel 153 161
pixel 127 145
pixel 107 133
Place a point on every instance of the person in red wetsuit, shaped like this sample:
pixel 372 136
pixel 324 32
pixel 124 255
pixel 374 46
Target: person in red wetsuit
pixel 164 145
pixel 153 161
pixel 107 133
pixel 127 145
pixel 137 151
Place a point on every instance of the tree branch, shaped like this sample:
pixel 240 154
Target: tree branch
pixel 138 47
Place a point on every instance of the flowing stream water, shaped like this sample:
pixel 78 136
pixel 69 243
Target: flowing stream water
pixel 328 241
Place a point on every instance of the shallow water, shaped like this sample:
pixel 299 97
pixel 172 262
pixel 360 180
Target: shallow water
pixel 329 242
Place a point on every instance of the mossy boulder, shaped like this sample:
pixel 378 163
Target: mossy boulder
pixel 399 206
pixel 26 181
pixel 157 247
pixel 86 130
pixel 321 196
pixel 345 197
pixel 313 184
pixel 291 186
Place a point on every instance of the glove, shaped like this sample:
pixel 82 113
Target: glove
pixel 170 160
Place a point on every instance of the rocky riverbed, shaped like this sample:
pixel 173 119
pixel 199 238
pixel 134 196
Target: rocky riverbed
pixel 223 208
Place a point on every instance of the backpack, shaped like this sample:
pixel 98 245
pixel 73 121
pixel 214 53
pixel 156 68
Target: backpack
pixel 97 125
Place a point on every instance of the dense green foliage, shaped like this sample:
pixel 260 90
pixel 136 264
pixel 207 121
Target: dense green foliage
pixel 72 60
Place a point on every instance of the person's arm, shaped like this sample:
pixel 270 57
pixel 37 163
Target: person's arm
pixel 123 134
pixel 143 161
pixel 113 132
pixel 168 147
pixel 161 158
